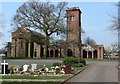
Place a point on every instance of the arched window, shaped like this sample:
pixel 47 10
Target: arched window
pixel 69 52
pixel 51 53
pixel 72 18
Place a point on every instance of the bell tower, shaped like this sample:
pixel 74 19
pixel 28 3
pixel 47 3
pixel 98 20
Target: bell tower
pixel 74 31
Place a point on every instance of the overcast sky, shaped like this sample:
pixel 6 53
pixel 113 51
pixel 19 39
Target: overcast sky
pixel 95 20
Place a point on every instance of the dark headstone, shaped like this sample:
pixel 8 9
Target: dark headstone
pixel 58 71
pixel 6 69
pixel 67 69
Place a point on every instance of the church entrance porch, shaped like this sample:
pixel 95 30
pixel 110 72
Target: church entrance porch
pixel 94 51
pixel 84 54
pixel 87 54
pixel 90 54
pixel 69 52
pixel 56 53
pixel 51 53
pixel 95 54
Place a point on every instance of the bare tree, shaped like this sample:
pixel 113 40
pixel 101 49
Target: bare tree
pixel 115 26
pixel 46 17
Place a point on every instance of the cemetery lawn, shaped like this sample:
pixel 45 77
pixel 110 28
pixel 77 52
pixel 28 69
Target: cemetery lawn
pixel 36 77
pixel 43 77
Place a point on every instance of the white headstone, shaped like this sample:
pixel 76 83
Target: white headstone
pixel 17 68
pixel 34 66
pixel 56 67
pixel 46 69
pixel 25 67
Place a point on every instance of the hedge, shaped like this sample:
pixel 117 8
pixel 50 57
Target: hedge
pixel 74 61
pixel 81 60
pixel 57 64
pixel 70 60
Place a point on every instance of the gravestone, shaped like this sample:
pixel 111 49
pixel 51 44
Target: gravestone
pixel 5 68
pixel 62 71
pixel 17 68
pixel 42 71
pixel 52 70
pixel 57 68
pixel 46 70
pixel 25 67
pixel 34 66
pixel 67 69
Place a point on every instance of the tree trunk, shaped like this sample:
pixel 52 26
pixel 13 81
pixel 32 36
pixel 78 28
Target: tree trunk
pixel 46 46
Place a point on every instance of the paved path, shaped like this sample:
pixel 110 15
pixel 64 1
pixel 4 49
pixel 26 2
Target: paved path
pixel 98 71
pixel 39 62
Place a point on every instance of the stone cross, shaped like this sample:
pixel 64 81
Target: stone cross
pixel 4 66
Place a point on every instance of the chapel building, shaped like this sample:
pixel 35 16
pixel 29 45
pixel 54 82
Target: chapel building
pixel 28 43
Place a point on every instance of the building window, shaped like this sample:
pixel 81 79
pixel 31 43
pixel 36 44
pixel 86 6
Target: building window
pixel 72 18
pixel 21 44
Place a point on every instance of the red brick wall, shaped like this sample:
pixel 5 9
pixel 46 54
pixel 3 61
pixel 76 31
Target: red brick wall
pixel 73 26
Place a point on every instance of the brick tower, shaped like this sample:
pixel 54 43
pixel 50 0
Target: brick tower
pixel 74 31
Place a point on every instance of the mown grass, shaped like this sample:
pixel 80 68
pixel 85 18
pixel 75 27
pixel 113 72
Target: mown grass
pixel 35 77
pixel 76 69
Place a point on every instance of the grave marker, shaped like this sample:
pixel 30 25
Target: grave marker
pixel 34 66
pixel 17 68
pixel 25 67
pixel 67 69
pixel 4 68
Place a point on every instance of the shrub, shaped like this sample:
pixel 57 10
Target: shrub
pixel 29 67
pixel 12 69
pixel 81 60
pixel 70 60
pixel 57 64
pixel 39 66
pixel 74 61
pixel 20 68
